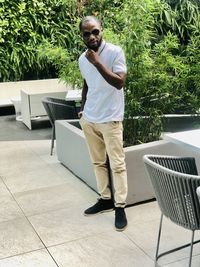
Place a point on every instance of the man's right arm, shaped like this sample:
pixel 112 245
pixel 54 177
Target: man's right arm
pixel 83 97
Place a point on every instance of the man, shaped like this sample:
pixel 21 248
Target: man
pixel 103 68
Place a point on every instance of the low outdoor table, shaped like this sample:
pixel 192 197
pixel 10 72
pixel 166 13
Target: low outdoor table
pixel 188 139
pixel 73 95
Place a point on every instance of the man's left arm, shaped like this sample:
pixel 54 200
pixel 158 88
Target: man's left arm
pixel 116 79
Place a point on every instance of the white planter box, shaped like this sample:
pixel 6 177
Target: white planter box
pixel 73 153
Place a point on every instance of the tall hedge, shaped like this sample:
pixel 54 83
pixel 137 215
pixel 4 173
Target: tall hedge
pixel 40 39
pixel 24 25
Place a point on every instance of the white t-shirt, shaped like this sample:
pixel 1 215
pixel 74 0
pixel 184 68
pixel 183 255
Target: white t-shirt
pixel 104 102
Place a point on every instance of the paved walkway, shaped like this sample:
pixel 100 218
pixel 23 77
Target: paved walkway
pixel 42 222
pixel 41 213
pixel 12 130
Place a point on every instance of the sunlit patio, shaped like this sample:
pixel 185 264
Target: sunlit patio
pixel 151 49
pixel 42 222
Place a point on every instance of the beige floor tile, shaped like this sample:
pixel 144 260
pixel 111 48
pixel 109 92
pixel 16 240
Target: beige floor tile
pixel 143 212
pixel 38 178
pixel 39 258
pixel 18 147
pixel 16 169
pixel 17 236
pixel 68 224
pixel 9 209
pixel 9 146
pixel 15 161
pixel 3 189
pixel 75 182
pixel 71 178
pixel 60 169
pixel 40 147
pixel 184 263
pixel 51 159
pixel 52 198
pixel 18 151
pixel 144 234
pixel 107 249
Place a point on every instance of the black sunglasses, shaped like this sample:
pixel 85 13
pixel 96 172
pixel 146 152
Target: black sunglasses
pixel 93 32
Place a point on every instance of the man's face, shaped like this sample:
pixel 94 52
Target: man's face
pixel 92 34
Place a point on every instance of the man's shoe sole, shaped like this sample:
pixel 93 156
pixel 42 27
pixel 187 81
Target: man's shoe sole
pixel 102 211
pixel 121 229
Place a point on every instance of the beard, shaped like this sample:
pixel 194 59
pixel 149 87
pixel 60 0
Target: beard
pixel 94 46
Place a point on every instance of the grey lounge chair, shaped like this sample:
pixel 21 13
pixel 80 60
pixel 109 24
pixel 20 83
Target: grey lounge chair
pixel 175 181
pixel 58 109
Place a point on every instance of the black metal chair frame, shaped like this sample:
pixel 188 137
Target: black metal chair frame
pixel 58 109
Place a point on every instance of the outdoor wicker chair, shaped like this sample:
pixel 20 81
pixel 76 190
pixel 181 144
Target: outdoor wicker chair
pixel 58 109
pixel 175 180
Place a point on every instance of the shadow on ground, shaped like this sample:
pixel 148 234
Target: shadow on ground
pixel 12 130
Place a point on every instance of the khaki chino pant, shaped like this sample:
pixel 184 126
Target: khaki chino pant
pixel 107 139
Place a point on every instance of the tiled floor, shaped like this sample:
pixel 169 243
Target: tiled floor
pixel 42 222
pixel 12 130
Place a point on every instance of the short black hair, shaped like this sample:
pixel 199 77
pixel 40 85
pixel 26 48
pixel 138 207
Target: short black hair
pixel 87 19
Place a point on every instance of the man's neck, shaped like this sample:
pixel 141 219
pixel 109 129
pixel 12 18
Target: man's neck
pixel 101 47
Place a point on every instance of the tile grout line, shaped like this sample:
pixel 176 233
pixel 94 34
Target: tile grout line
pixel 26 217
pixel 20 254
pixel 52 257
pixel 139 247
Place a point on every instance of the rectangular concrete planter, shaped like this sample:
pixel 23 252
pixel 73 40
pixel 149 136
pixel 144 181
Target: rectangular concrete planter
pixel 73 153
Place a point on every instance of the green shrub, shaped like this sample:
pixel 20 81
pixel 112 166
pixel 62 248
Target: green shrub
pixel 40 39
pixel 160 77
pixel 24 25
pixel 180 17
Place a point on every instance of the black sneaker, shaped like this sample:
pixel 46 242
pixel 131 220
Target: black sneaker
pixel 103 205
pixel 120 219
